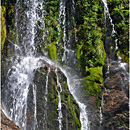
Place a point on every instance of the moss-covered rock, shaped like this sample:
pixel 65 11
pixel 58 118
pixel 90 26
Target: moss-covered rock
pixel 90 34
pixel 119 12
pixel 70 109
pixel 52 51
pixel 3 27
pixel 93 81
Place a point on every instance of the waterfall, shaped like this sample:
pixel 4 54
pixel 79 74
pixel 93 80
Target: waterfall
pixel 109 43
pixel 25 61
pixel 102 109
pixel 62 22
pixel 59 90
pixel 77 91
pixel 35 104
pixel 19 78
pixel 46 94
pixel 111 46
pixel 20 75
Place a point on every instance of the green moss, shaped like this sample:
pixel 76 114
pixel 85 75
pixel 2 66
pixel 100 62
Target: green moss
pixel 3 27
pixel 72 109
pixel 52 51
pixel 93 82
pixel 119 12
pixel 125 56
pixel 90 34
pixel 79 51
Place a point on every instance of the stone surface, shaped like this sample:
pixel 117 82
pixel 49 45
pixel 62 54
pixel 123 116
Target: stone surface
pixel 47 115
pixel 116 100
pixel 7 124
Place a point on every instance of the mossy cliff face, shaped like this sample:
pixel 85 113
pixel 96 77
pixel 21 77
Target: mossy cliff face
pixel 70 109
pixel 90 34
pixel 90 52
pixel 8 34
pixel 89 47
pixel 119 11
pixel 3 27
pixel 116 99
pixel 52 32
pixel 87 37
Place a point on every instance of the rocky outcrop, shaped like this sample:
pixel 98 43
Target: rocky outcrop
pixel 7 124
pixel 47 101
pixel 116 100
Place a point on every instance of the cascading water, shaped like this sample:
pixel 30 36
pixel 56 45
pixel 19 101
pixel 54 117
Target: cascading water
pixel 78 92
pixel 19 79
pixel 35 104
pixel 111 40
pixel 113 61
pixel 62 22
pixel 20 75
pixel 59 90
pixel 46 93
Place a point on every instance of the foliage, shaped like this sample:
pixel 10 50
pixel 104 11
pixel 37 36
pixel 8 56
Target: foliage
pixel 119 11
pixel 90 48
pixel 52 51
pixel 72 109
pixel 93 81
pixel 52 30
pixel 3 27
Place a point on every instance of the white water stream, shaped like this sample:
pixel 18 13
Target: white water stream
pixel 20 75
pixel 118 64
pixel 46 94
pixel 59 90
pixel 62 22
pixel 35 104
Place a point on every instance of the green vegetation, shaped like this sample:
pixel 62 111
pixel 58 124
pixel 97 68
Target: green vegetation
pixel 93 81
pixel 90 34
pixel 3 27
pixel 52 51
pixel 53 31
pixel 7 30
pixel 72 108
pixel 119 11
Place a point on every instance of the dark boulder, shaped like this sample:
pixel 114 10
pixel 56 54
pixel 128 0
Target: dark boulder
pixel 116 100
pixel 47 103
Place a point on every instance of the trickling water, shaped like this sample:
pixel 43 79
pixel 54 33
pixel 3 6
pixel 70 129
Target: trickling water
pixel 62 22
pixel 108 15
pixel 77 91
pixel 110 43
pixel 59 90
pixel 102 109
pixel 101 116
pixel 35 104
pixel 111 40
pixel 46 94
pixel 20 76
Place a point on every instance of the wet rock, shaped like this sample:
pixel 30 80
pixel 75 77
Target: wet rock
pixel 116 100
pixel 7 124
pixel 47 103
